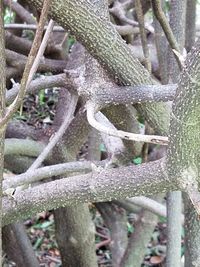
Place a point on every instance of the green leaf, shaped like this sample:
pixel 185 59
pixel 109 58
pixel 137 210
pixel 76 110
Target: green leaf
pixel 137 160
pixel 130 228
pixel 41 97
pixel 43 225
pixel 102 148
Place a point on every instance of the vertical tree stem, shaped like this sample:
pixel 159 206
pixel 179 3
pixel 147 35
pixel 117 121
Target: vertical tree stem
pixel 174 199
pixel 2 112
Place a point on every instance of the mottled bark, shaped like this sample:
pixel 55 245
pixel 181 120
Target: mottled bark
pixel 161 48
pixel 71 235
pixel 147 179
pixel 174 199
pixel 111 51
pixel 183 152
pixel 75 236
pixel 139 239
pixel 177 23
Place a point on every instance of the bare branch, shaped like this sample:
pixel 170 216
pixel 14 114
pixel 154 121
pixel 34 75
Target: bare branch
pixel 33 27
pixel 139 239
pixel 20 11
pixel 36 85
pixel 18 247
pixel 140 17
pixel 16 62
pixel 158 12
pixel 126 69
pixel 50 171
pixel 54 140
pixel 2 113
pixel 29 72
pixel 40 50
pixel 103 185
pixel 119 10
pixel 114 145
pixel 113 95
pixel 91 110
pixel 122 29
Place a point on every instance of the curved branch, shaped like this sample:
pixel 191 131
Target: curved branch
pixel 36 85
pixel 154 139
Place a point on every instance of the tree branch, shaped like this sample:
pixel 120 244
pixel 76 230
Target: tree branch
pixel 50 171
pixel 36 85
pixel 57 136
pixel 2 113
pixel 154 139
pixel 31 65
pixel 113 95
pixel 183 162
pixel 145 179
pixel 158 12
pixel 20 11
pixel 126 69
pixel 26 147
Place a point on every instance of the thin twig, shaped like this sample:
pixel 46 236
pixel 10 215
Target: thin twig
pixel 122 29
pixel 40 52
pixel 154 139
pixel 140 17
pixel 49 171
pixel 160 15
pixel 57 136
pixel 28 73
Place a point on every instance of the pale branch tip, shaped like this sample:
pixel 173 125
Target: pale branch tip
pixel 154 139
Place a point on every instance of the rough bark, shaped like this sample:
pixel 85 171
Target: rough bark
pixel 147 179
pixel 139 239
pixel 177 23
pixel 76 242
pixel 174 199
pixel 72 236
pixel 183 156
pixel 111 51
pixel 161 47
